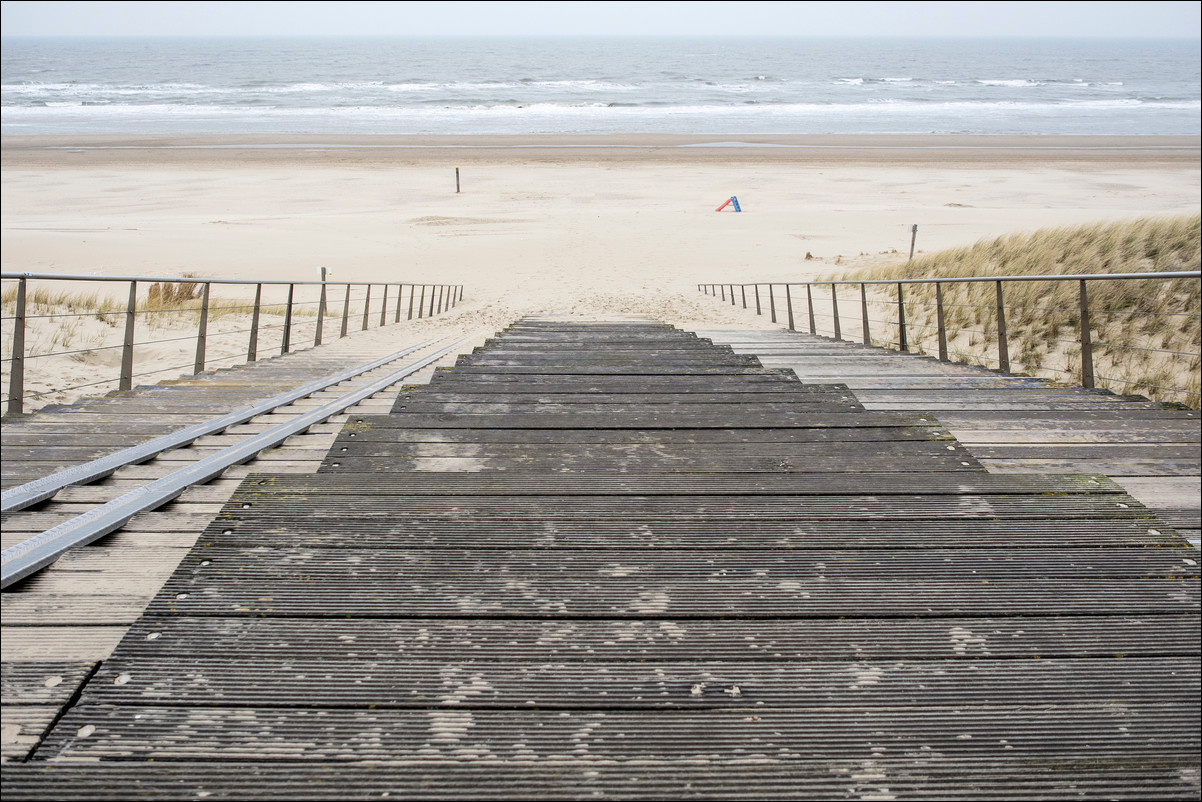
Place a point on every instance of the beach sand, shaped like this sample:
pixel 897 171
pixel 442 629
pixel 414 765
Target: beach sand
pixel 587 226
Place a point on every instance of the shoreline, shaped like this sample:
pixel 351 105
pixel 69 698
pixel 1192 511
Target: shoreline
pixel 17 151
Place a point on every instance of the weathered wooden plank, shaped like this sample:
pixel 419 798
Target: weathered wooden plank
pixel 22 730
pixel 42 683
pixel 231 733
pixel 650 641
pixel 599 685
pixel 60 643
pixel 303 530
pixel 1024 777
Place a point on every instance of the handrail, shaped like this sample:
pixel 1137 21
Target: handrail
pixel 442 298
pixel 1087 375
pixel 39 551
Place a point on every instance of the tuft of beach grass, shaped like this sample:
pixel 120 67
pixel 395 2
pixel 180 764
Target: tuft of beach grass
pixel 1146 333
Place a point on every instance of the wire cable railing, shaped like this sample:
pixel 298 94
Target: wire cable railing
pixel 1149 349
pixel 43 323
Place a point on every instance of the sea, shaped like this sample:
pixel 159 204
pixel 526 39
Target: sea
pixel 597 85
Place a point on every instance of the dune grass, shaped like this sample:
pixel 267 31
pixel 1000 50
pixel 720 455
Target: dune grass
pixel 1146 333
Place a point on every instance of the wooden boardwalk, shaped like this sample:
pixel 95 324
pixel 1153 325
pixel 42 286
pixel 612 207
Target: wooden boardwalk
pixel 1014 424
pixel 616 560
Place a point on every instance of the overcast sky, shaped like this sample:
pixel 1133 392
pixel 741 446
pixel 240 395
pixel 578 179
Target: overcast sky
pixel 1061 19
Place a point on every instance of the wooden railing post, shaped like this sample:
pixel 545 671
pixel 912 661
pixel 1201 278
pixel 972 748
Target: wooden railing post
pixel 441 288
pixel 743 290
pixel 1087 377
pixel 412 295
pixel 252 347
pixel 321 310
pixel 788 305
pixel 723 290
pixel 384 307
pixel 772 302
pixel 835 309
pixel 346 310
pixel 1003 349
pixel 940 321
pixel 400 293
pixel 732 294
pixel 366 307
pixel 902 343
pixel 421 304
pixel 758 310
pixel 810 305
pixel 431 301
pixel 127 348
pixel 864 312
pixel 16 376
pixel 286 341
pixel 202 331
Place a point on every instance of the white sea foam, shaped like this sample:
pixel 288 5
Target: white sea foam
pixel 599 86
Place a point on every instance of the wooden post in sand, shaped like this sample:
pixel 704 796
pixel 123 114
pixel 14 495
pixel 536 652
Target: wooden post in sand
pixel 1003 350
pixel 286 344
pixel 940 321
pixel 835 310
pixel 202 331
pixel 346 309
pixel 864 313
pixel 127 347
pixel 456 180
pixel 913 237
pixel 252 347
pixel 1087 377
pixel 321 310
pixel 810 305
pixel 16 379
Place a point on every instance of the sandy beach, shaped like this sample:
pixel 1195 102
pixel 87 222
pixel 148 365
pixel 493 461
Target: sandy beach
pixel 571 225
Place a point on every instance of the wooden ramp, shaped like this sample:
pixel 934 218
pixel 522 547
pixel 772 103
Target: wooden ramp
pixel 615 560
pixel 1014 424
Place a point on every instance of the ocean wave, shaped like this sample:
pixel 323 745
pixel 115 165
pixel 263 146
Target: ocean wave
pixel 1011 82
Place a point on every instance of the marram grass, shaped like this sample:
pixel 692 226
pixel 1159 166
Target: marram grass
pixel 1146 333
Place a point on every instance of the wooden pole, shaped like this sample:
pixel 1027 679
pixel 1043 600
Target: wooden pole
pixel 864 313
pixel 835 309
pixel 16 378
pixel 286 344
pixel 940 321
pixel 913 237
pixel 321 309
pixel 810 306
pixel 127 348
pixel 456 180
pixel 1087 377
pixel 346 310
pixel 1003 349
pixel 202 331
pixel 252 348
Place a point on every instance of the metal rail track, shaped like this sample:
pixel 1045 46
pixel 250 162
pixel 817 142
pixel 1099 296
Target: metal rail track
pixel 32 555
